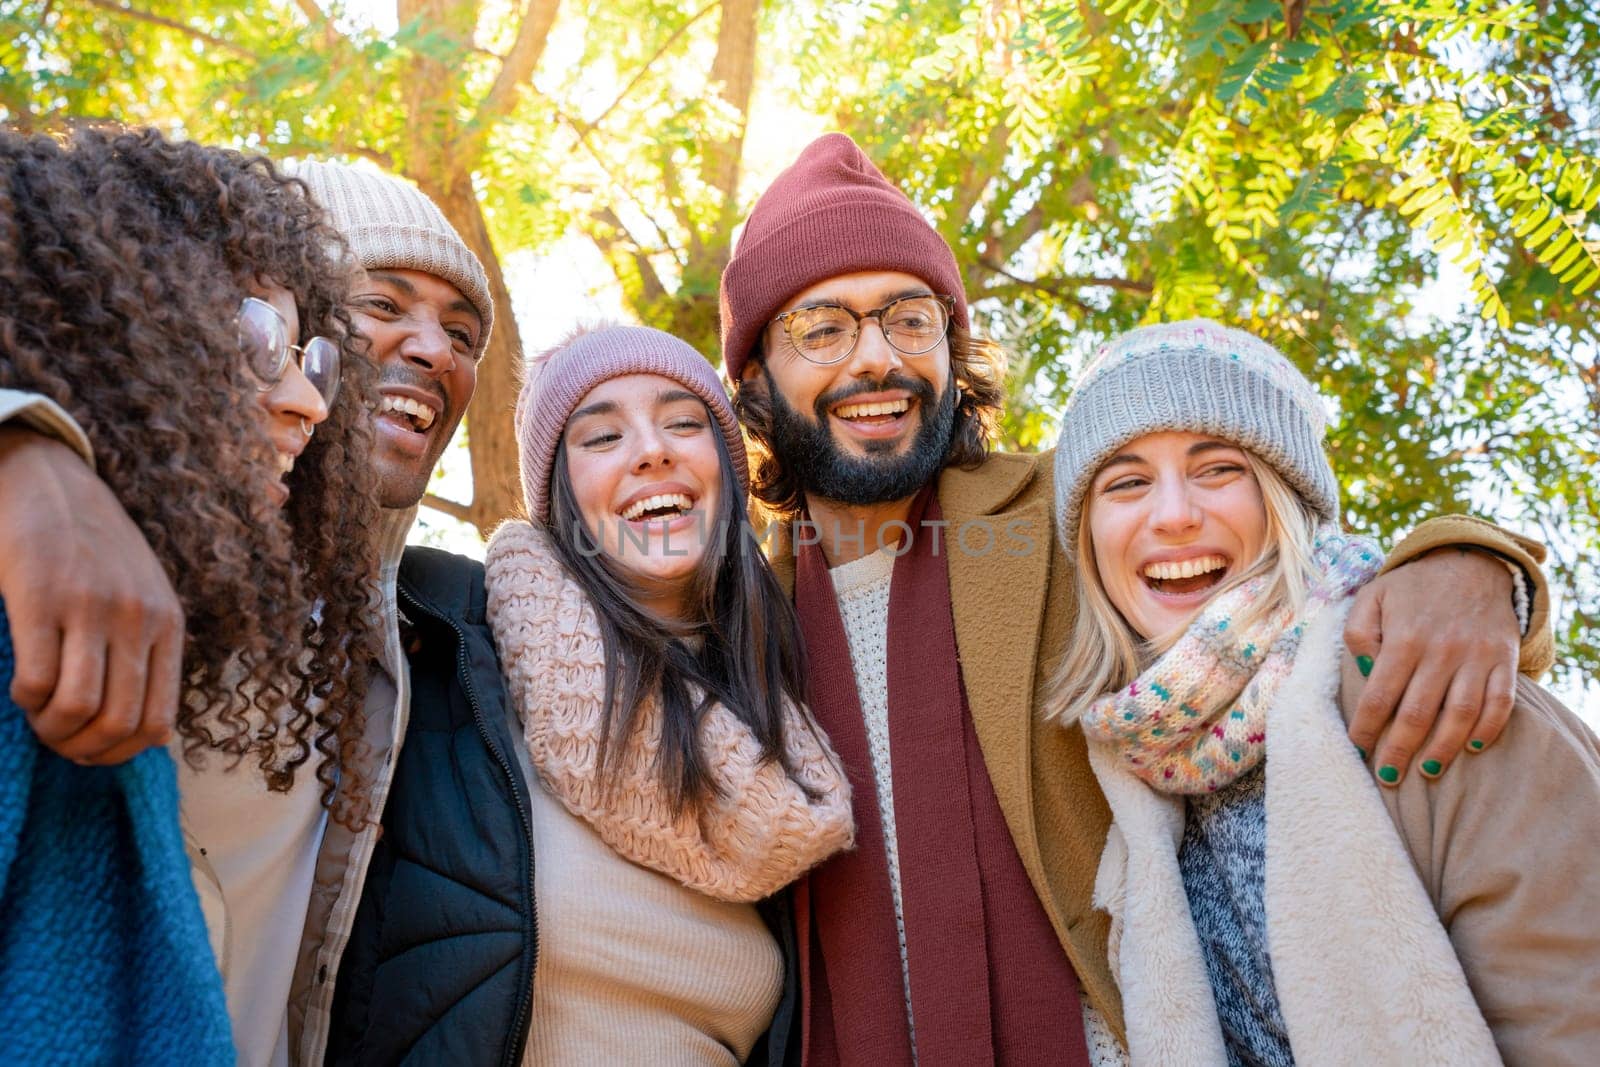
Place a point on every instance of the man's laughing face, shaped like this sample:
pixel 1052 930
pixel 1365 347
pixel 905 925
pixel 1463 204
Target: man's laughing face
pixel 874 427
pixel 424 336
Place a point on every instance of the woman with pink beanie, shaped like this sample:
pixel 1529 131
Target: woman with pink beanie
pixel 676 777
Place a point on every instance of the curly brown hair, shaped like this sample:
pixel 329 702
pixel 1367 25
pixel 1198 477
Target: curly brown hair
pixel 123 260
pixel 979 369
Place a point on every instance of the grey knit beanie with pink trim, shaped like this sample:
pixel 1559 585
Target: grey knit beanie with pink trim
pixel 560 378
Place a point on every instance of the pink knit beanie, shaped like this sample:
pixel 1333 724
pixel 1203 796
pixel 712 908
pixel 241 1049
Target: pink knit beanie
pixel 558 379
pixel 831 213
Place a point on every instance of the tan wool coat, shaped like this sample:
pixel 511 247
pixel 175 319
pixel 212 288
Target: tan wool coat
pixel 1452 918
pixel 1014 608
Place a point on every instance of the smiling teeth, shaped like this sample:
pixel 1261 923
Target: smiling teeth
pixel 405 405
pixel 859 411
pixel 652 503
pixel 285 463
pixel 1189 568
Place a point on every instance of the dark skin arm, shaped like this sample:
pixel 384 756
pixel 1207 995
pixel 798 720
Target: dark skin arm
pixel 1439 639
pixel 95 624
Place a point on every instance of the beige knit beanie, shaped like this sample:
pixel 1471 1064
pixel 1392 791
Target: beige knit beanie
pixel 391 224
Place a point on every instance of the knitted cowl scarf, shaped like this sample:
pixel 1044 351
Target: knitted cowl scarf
pixel 759 834
pixel 1196 718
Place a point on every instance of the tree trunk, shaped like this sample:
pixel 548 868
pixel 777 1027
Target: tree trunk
pixel 440 157
pixel 491 436
pixel 692 312
pixel 734 72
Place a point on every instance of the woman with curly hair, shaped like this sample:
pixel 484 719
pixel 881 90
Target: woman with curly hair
pixel 184 306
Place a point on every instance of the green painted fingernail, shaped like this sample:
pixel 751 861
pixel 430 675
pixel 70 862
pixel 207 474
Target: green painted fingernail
pixel 1388 774
pixel 1475 745
pixel 1363 753
pixel 1364 665
pixel 1432 767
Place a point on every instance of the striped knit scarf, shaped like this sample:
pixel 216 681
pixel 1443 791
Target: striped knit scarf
pixel 1196 718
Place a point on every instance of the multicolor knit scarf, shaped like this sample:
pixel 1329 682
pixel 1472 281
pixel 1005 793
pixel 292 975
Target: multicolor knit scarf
pixel 1196 718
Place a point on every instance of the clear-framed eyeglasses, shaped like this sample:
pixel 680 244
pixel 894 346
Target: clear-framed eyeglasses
pixel 264 339
pixel 827 333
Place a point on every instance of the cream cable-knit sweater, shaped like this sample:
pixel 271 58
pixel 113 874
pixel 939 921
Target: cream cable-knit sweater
pixel 861 588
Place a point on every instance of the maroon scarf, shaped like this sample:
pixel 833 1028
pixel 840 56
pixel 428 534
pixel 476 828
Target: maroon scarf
pixel 990 982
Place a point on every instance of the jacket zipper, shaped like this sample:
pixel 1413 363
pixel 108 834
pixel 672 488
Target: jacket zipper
pixel 463 671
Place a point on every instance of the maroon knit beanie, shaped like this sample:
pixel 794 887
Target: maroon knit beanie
pixel 559 379
pixel 831 213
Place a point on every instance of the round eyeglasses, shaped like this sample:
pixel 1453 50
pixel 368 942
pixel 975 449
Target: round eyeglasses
pixel 264 338
pixel 827 333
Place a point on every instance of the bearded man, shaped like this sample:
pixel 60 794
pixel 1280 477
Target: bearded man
pixel 935 604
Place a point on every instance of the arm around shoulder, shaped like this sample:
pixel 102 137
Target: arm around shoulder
pixel 33 411
pixel 1465 531
pixel 96 624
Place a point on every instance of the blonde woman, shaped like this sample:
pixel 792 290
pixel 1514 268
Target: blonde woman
pixel 1270 903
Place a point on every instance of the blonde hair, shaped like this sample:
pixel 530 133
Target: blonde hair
pixel 1105 653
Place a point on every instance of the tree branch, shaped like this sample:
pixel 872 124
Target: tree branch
pixel 582 131
pixel 174 24
pixel 1017 290
pixel 639 74
pixel 733 73
pixel 312 12
pixel 382 159
pixel 652 288
pixel 1062 285
pixel 319 20
pixel 672 193
pixel 970 188
pixel 517 69
pixel 449 507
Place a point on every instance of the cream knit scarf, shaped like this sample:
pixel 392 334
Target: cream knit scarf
pixel 1196 718
pixel 762 831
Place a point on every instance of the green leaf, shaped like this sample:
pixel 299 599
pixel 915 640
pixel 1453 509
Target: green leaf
pixel 1544 233
pixel 1258 11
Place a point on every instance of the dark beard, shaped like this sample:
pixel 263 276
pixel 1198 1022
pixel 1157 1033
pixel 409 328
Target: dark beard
pixel 825 471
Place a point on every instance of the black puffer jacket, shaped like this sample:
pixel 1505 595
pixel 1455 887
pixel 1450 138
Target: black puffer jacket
pixel 441 959
pixel 440 965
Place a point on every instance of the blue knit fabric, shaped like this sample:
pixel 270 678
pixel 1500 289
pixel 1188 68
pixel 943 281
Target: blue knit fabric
pixel 103 950
pixel 1223 861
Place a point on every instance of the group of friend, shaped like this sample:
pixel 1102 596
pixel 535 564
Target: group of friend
pixel 958 757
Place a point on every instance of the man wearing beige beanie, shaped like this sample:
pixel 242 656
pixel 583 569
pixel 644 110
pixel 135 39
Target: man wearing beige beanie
pixel 935 603
pixel 452 801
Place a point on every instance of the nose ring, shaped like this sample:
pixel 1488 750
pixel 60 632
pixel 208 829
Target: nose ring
pixel 306 426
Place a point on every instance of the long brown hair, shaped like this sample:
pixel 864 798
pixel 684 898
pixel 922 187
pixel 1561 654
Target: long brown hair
pixel 978 367
pixel 746 656
pixel 123 259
